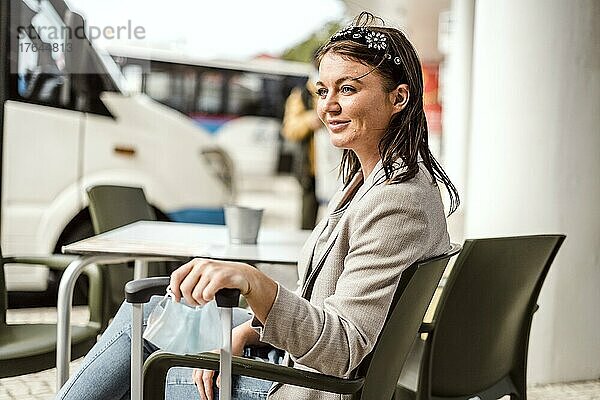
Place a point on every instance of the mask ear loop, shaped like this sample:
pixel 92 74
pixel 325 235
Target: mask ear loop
pixel 172 296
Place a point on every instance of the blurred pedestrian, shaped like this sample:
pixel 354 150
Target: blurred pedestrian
pixel 300 121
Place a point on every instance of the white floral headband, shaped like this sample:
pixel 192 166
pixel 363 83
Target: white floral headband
pixel 365 36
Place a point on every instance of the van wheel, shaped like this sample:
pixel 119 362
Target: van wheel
pixel 79 228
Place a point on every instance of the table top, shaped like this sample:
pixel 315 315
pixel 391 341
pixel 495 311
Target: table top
pixel 183 240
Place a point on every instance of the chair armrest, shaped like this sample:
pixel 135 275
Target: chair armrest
pixel 54 261
pixel 159 363
pixel 60 262
pixel 140 290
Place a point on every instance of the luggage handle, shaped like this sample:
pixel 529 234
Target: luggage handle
pixel 138 293
pixel 226 299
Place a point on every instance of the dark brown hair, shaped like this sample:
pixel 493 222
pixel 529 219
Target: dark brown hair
pixel 406 136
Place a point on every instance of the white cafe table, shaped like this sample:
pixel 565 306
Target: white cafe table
pixel 145 241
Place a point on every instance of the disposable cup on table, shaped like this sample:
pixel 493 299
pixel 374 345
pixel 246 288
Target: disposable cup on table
pixel 243 224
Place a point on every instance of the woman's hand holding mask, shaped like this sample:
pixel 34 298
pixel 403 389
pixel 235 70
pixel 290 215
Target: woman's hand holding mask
pixel 200 279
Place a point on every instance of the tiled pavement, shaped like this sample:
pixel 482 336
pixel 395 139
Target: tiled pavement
pixel 41 385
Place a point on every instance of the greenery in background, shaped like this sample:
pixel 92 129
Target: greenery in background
pixel 305 50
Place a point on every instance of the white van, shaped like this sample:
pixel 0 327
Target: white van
pixel 67 124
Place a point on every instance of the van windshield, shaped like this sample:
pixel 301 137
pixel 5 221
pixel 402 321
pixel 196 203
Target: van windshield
pixel 54 61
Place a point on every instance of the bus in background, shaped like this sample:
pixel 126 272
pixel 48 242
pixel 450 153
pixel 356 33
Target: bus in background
pixel 239 103
pixel 67 124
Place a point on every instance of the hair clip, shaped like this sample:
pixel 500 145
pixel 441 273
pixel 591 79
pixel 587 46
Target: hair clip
pixel 378 41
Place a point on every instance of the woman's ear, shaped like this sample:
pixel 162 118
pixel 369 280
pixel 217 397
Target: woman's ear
pixel 400 97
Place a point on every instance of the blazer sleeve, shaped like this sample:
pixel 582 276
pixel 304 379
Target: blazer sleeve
pixel 388 233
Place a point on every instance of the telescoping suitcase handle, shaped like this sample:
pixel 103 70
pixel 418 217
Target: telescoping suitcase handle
pixel 226 299
pixel 139 292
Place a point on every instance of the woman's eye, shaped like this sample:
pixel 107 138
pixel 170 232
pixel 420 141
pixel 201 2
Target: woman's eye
pixel 322 92
pixel 347 89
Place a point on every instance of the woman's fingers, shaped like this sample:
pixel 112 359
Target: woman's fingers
pixel 178 276
pixel 197 378
pixel 207 379
pixel 198 276
pixel 198 292
pixel 189 283
pixel 203 379
pixel 233 276
pixel 215 283
pixel 199 280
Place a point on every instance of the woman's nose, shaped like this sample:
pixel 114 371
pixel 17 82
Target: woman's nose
pixel 331 105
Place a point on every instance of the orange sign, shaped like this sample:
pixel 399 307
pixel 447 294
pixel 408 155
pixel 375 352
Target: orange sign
pixel 431 105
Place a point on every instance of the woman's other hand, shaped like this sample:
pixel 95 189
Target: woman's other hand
pixel 241 336
pixel 200 279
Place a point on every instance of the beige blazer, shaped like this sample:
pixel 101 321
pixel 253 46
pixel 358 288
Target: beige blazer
pixel 383 230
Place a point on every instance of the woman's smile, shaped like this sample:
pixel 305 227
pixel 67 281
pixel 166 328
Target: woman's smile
pixel 337 125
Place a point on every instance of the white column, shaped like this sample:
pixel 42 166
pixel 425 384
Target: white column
pixel 534 161
pixel 456 108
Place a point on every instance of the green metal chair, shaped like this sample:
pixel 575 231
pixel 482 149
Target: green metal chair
pixel 476 346
pixel 28 348
pixel 112 207
pixel 377 375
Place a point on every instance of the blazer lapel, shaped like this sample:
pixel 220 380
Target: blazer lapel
pixel 371 180
pixel 307 253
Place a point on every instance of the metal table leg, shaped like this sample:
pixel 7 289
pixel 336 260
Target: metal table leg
pixel 63 325
pixel 64 307
pixel 140 269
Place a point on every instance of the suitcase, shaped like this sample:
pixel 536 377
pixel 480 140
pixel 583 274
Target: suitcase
pixel 138 293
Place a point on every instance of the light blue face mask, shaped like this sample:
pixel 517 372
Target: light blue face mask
pixel 179 328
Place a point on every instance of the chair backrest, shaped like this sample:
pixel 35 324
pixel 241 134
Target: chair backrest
pixel 483 318
pixel 115 206
pixel 112 207
pixel 414 293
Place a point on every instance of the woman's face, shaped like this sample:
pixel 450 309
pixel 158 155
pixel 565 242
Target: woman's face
pixel 355 111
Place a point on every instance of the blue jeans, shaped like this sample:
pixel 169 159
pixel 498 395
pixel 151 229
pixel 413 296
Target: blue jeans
pixel 105 373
